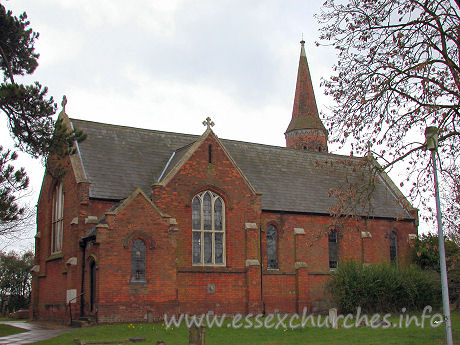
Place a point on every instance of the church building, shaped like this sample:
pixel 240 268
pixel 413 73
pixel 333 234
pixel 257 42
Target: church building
pixel 145 222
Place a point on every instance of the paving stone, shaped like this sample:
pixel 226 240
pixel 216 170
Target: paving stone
pixel 35 333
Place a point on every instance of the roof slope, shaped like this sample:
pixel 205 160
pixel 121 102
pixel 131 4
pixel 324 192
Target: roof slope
pixel 119 159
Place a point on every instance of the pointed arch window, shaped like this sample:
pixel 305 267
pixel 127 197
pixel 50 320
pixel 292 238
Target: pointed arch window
pixel 272 247
pixel 208 229
pixel 57 226
pixel 138 260
pixel 333 250
pixel 393 247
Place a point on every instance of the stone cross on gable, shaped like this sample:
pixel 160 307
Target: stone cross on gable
pixel 208 123
pixel 63 103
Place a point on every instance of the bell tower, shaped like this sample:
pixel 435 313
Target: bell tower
pixel 305 131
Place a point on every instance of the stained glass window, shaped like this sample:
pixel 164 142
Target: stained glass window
pixel 272 247
pixel 219 248
pixel 208 229
pixel 218 214
pixel 196 213
pixel 333 252
pixel 393 247
pixel 58 219
pixel 138 260
pixel 196 247
pixel 207 248
pixel 207 214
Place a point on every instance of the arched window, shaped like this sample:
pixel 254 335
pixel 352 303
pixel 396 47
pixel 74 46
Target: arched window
pixel 272 247
pixel 393 247
pixel 333 252
pixel 138 260
pixel 208 229
pixel 57 226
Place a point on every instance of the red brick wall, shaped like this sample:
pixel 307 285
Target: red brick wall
pixel 55 277
pixel 313 142
pixel 279 291
pixel 119 299
pixel 313 249
pixel 241 206
pixel 229 295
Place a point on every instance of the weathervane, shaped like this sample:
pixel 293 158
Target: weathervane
pixel 208 123
pixel 63 103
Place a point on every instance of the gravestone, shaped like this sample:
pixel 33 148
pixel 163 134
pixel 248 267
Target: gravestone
pixel 333 318
pixel 197 335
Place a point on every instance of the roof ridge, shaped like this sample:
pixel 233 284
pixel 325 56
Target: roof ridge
pixel 135 128
pixel 290 149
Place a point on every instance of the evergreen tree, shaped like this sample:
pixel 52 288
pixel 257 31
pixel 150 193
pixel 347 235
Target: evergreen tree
pixel 15 280
pixel 28 109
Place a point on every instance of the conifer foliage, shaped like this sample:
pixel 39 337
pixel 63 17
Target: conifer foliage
pixel 28 110
pixel 15 280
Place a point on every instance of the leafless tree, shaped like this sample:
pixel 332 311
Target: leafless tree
pixel 398 72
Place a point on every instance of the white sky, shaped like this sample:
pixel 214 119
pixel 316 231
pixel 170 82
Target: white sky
pixel 168 64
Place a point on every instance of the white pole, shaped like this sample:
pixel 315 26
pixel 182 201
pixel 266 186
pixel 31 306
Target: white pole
pixel 431 134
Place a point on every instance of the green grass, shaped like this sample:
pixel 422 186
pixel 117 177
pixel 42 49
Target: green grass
pixel 228 336
pixel 9 330
pixel 6 319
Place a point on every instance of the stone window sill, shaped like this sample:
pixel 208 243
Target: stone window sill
pixel 140 282
pixel 277 272
pixel 320 273
pixel 210 269
pixel 55 256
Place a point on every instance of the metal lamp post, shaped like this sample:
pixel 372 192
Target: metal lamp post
pixel 431 135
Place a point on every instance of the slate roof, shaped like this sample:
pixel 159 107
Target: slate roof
pixel 117 160
pixel 306 122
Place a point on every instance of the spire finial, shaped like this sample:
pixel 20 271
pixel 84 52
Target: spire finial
pixel 208 123
pixel 63 103
pixel 302 47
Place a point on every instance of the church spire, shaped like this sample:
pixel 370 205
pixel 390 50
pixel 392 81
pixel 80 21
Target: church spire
pixel 305 131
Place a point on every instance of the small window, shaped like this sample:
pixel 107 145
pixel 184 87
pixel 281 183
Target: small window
pixel 393 247
pixel 208 229
pixel 138 261
pixel 57 226
pixel 272 247
pixel 210 154
pixel 333 252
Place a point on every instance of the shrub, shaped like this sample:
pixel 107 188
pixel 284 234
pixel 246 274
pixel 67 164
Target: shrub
pixel 383 288
pixel 425 254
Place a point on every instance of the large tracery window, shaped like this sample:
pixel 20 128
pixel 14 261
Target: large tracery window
pixel 57 225
pixel 208 229
pixel 138 261
pixel 272 247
